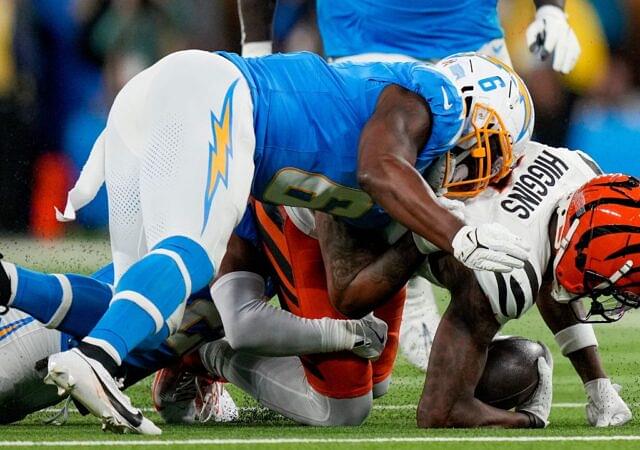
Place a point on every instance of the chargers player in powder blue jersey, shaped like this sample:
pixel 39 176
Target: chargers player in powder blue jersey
pixel 381 30
pixel 428 30
pixel 191 137
pixel 308 120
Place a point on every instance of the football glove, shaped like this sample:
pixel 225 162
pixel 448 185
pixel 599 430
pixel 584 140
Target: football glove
pixel 489 247
pixel 605 408
pixel 550 33
pixel 539 405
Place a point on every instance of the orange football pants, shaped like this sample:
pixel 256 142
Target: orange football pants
pixel 301 283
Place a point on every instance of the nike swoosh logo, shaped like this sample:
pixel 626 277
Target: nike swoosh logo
pixel 134 419
pixel 381 339
pixel 447 104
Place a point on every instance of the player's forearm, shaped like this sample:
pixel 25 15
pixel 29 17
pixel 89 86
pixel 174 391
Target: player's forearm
pixel 256 17
pixel 456 364
pixel 402 192
pixel 471 413
pixel 383 278
pixel 252 325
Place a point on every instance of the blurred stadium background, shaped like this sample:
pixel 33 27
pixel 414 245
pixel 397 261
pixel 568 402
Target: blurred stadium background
pixel 63 61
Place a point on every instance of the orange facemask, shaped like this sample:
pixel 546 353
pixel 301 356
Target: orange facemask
pixel 488 154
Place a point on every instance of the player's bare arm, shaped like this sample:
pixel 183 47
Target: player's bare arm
pixel 256 19
pixel 363 271
pixel 389 145
pixel 458 358
pixel 558 316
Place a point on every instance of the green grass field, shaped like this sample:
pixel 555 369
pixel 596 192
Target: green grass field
pixel 392 422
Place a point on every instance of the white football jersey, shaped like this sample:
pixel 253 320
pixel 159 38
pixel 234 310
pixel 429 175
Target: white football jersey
pixel 542 178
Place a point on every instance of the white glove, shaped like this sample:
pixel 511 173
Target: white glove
pixel 550 33
pixel 489 247
pixel 539 405
pixel 455 207
pixel 605 407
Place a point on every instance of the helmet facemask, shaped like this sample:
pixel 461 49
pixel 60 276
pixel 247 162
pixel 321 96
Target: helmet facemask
pixel 482 156
pixel 609 301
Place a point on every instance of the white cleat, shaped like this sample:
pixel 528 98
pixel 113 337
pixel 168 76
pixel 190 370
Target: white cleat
pixel 89 383
pixel 215 403
pixel 372 337
pixel 420 320
pixel 182 397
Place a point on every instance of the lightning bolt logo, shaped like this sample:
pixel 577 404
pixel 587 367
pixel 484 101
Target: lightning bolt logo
pixel 12 327
pixel 220 152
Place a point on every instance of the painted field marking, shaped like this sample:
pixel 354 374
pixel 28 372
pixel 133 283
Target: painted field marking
pixel 192 442
pixel 380 407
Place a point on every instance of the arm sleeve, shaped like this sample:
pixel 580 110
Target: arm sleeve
pixel 253 325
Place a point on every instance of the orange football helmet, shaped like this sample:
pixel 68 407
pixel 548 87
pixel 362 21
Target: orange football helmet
pixel 599 248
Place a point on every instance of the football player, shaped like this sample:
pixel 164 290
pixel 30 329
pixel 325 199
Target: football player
pixel 189 139
pixel 26 342
pixel 424 30
pixel 531 202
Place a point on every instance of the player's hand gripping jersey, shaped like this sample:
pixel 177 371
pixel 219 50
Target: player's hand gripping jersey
pixel 525 206
pixel 308 117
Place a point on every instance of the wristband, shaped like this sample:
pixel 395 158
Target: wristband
pixel 576 337
pixel 254 49
pixel 534 421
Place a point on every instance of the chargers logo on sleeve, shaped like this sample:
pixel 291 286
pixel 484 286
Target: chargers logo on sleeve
pixel 10 328
pixel 220 151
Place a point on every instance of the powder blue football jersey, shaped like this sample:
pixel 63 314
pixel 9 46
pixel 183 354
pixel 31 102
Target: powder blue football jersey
pixel 308 117
pixel 423 29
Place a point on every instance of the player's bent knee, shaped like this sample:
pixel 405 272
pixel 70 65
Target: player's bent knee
pixel 161 282
pixel 190 257
pixel 381 388
pixel 350 412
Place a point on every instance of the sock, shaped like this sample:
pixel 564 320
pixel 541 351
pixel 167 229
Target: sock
pixel 151 296
pixel 97 353
pixel 70 303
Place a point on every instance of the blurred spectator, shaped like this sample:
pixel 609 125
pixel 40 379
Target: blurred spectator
pixel 19 65
pixel 596 108
pixel 63 61
pixel 606 124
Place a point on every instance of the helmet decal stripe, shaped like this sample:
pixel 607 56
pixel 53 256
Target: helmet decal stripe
pixel 604 230
pixel 629 250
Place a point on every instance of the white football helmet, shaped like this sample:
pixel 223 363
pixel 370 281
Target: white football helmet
pixel 499 120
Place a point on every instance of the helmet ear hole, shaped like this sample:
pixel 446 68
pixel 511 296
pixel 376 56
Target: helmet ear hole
pixel 581 261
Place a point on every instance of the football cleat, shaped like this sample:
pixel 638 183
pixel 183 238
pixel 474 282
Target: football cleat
pixel 89 383
pixel 182 397
pixel 5 289
pixel 372 337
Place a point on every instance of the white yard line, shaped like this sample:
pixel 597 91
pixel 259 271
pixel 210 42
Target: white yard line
pixel 377 407
pixel 250 441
